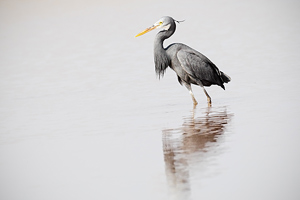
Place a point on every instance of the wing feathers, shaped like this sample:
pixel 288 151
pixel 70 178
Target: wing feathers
pixel 199 67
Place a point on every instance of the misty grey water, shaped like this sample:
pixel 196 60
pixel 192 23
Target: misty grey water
pixel 83 115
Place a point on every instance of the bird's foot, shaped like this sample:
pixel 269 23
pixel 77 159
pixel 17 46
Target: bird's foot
pixel 209 102
pixel 195 102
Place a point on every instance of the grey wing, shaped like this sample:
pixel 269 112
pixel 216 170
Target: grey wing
pixel 199 67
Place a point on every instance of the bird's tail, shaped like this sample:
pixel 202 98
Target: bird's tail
pixel 225 77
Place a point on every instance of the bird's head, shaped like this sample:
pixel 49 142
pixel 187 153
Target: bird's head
pixel 164 23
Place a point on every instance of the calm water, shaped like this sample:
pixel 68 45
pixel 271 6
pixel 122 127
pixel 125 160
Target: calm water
pixel 82 115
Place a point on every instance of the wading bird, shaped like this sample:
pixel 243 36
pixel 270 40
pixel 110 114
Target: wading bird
pixel 190 66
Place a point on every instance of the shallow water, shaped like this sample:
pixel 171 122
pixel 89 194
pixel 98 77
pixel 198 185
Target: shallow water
pixel 84 117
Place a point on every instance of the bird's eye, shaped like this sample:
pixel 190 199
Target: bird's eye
pixel 160 23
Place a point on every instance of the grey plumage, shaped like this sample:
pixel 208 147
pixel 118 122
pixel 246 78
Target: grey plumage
pixel 191 66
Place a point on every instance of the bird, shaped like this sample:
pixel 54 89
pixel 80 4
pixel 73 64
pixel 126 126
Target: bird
pixel 191 66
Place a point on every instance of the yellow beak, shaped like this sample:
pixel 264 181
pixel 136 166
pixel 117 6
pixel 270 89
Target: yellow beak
pixel 147 30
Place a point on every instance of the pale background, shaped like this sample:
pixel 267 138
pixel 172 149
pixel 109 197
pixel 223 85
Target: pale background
pixel 83 116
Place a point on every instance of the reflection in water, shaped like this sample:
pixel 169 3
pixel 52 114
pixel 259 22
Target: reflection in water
pixel 184 145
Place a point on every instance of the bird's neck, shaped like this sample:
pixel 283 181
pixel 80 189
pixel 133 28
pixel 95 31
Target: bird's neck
pixel 159 43
pixel 161 58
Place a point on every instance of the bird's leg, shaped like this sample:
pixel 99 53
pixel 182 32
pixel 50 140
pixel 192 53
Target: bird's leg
pixel 193 97
pixel 188 86
pixel 208 97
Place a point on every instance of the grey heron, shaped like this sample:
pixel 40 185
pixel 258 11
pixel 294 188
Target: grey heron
pixel 191 66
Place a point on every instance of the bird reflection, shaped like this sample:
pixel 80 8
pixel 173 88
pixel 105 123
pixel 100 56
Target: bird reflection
pixel 189 144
